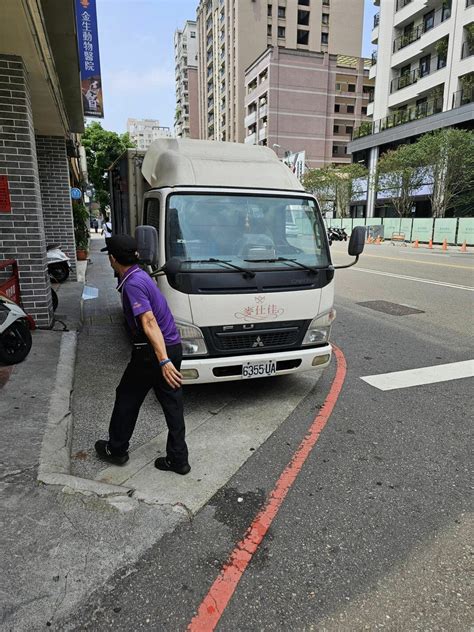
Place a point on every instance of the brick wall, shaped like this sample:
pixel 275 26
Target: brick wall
pixel 55 195
pixel 21 231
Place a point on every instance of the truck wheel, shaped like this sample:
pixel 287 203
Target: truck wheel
pixel 15 343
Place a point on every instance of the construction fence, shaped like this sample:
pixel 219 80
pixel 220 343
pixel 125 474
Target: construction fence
pixel 456 230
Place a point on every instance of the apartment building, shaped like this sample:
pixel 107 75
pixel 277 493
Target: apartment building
pixel 232 35
pixel 144 131
pixel 304 101
pixel 186 63
pixel 423 66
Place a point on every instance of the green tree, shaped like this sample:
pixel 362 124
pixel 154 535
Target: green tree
pixel 335 187
pixel 448 157
pixel 400 172
pixel 102 149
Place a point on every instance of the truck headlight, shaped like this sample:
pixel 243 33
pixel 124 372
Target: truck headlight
pixel 192 340
pixel 319 329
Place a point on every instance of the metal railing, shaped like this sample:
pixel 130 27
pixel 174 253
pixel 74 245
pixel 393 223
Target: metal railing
pixel 408 38
pixel 413 113
pixel 467 50
pixel 463 97
pixel 407 79
pixel 402 3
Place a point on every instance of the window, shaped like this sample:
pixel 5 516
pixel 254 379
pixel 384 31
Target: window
pixel 303 18
pixel 302 37
pixel 338 87
pixel 325 18
pixel 269 30
pixel 337 107
pixel 324 38
pixel 335 129
pixel 425 63
pixel 193 34
pixel 349 129
pixel 281 31
pixel 152 213
pixel 350 109
pixel 269 10
pixel 335 150
pixel 428 21
pixel 364 110
pixel 351 87
pixel 304 3
pixel 282 12
pixel 325 3
pixel 447 10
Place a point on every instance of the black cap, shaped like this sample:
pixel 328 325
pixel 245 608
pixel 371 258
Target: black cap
pixel 123 248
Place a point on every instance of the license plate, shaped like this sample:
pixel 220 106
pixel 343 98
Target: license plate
pixel 258 369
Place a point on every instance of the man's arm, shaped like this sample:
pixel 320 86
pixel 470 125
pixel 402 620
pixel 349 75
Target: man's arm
pixel 154 335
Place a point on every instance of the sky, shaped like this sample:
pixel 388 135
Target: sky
pixel 137 56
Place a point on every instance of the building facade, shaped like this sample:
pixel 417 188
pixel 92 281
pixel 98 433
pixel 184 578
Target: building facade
pixel 423 66
pixel 303 101
pixel 186 69
pixel 41 113
pixel 232 35
pixel 144 131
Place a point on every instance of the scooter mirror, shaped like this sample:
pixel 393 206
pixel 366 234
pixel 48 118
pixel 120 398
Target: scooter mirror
pixel 357 241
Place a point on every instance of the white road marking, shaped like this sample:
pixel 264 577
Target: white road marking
pixel 424 375
pixel 455 286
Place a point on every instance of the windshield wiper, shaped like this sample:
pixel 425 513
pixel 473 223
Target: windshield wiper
pixel 247 273
pixel 312 269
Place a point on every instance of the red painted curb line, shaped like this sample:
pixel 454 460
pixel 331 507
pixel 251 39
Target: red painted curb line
pixel 221 591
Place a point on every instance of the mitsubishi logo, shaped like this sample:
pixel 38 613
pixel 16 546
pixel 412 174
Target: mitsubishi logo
pixel 258 342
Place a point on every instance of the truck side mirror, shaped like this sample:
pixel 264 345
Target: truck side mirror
pixel 147 244
pixel 172 266
pixel 357 241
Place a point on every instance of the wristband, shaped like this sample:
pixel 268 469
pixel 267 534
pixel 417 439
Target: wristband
pixel 163 362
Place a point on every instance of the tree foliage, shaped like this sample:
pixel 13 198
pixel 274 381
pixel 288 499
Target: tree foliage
pixel 335 187
pixel 102 149
pixel 400 173
pixel 447 156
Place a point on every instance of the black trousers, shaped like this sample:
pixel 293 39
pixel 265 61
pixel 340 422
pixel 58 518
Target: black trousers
pixel 143 372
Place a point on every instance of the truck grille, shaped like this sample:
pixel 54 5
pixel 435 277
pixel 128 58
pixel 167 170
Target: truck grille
pixel 262 339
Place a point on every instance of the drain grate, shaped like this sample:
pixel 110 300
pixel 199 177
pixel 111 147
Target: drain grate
pixel 394 309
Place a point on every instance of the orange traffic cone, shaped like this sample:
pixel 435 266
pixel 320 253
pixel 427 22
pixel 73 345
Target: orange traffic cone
pixel 430 244
pixel 464 246
pixel 415 245
pixel 445 244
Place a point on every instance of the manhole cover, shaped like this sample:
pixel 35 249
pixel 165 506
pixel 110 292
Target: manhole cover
pixel 395 309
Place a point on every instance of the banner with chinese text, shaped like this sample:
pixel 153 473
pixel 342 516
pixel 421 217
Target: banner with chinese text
pixel 88 40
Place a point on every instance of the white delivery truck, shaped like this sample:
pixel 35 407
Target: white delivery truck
pixel 240 253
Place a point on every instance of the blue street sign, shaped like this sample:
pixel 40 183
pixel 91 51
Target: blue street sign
pixel 76 193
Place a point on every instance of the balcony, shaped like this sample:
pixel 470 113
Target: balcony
pixel 407 79
pixel 263 111
pixel 251 139
pixel 463 97
pixel 250 119
pixel 376 20
pixel 402 3
pixel 262 133
pixel 412 113
pixel 373 58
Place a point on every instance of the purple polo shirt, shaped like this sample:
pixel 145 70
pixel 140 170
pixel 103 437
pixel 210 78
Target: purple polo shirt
pixel 140 294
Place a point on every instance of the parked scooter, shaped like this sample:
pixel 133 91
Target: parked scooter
pixel 15 334
pixel 336 234
pixel 58 263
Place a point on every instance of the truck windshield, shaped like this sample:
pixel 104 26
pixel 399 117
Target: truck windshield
pixel 250 231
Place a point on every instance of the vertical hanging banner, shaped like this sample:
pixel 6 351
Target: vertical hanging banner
pixel 88 40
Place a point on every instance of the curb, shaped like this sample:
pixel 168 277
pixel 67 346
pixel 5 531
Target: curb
pixel 55 458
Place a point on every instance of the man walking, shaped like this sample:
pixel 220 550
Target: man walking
pixel 155 362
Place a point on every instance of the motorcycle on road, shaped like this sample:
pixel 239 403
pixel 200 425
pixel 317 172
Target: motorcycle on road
pixel 58 263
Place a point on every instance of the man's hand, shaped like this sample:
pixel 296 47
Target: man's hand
pixel 172 375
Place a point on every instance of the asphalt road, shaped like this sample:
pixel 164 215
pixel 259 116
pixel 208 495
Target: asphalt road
pixel 375 531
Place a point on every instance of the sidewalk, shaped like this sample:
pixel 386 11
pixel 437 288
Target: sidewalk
pixel 58 547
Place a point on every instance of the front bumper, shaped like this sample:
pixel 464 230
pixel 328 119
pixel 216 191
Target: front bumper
pixel 228 369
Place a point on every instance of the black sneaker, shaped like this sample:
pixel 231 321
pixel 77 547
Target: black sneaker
pixel 163 463
pixel 104 453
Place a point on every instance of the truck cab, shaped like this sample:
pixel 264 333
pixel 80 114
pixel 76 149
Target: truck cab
pixel 247 266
